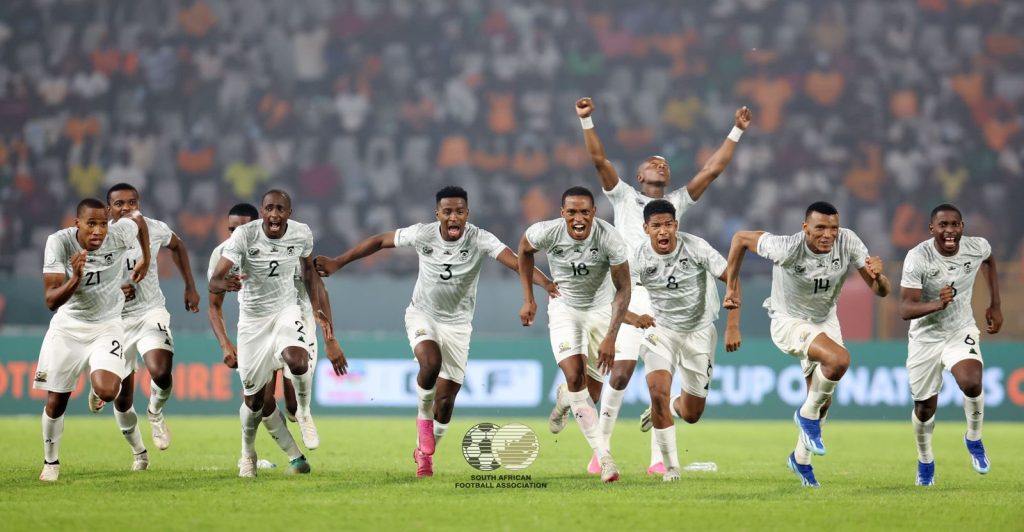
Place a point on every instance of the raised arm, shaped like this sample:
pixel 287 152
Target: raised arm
pixel 605 170
pixel 215 312
pixel 911 306
pixel 716 164
pixel 325 266
pixel 741 242
pixel 732 339
pixel 526 265
pixel 142 267
pixel 622 283
pixel 994 312
pixel 509 259
pixel 872 274
pixel 57 289
pixel 180 256
pixel 322 310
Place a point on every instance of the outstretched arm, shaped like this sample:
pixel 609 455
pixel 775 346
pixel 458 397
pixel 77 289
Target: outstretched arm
pixel 322 311
pixel 872 274
pixel 511 261
pixel 605 170
pixel 526 265
pixel 716 164
pixel 994 312
pixel 741 242
pixel 325 266
pixel 180 256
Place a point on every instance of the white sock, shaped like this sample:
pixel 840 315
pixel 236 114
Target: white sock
pixel 586 415
pixel 439 430
pixel 158 397
pixel 923 430
pixel 611 402
pixel 128 422
pixel 303 385
pixel 821 390
pixel 250 424
pixel 974 408
pixel 53 429
pixel 425 402
pixel 562 402
pixel 666 439
pixel 672 405
pixel 655 451
pixel 800 453
pixel 278 430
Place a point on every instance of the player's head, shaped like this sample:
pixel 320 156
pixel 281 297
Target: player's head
pixel 821 226
pixel 276 207
pixel 452 212
pixel 123 199
pixel 578 210
pixel 654 171
pixel 947 228
pixel 91 221
pixel 660 224
pixel 241 214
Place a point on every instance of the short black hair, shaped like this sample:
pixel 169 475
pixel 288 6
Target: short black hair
pixel 659 206
pixel 946 207
pixel 822 207
pixel 277 191
pixel 121 186
pixel 577 191
pixel 451 191
pixel 89 203
pixel 245 209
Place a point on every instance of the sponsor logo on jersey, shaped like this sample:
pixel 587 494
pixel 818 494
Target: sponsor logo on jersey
pixel 40 376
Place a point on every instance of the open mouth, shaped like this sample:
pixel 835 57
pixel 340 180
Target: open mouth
pixel 579 230
pixel 95 243
pixel 275 227
pixel 949 242
pixel 663 243
pixel 454 231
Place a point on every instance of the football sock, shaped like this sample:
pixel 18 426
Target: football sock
pixel 128 422
pixel 425 402
pixel 53 429
pixel 923 431
pixel 278 430
pixel 666 438
pixel 158 397
pixel 586 415
pixel 303 385
pixel 250 423
pixel 821 390
pixel 974 409
pixel 439 430
pixel 611 401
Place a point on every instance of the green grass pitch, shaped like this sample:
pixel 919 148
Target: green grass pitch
pixel 363 478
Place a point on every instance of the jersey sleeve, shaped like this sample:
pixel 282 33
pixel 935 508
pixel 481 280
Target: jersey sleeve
pixel 713 260
pixel 619 194
pixel 618 253
pixel 683 201
pixel 54 256
pixel 406 236
pixel 858 252
pixel 307 242
pixel 538 235
pixel 986 248
pixel 162 234
pixel 214 259
pixel 777 248
pixel 489 243
pixel 237 245
pixel 124 231
pixel 913 271
pixel 636 266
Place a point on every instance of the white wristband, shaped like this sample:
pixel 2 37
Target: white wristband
pixel 735 134
pixel 587 123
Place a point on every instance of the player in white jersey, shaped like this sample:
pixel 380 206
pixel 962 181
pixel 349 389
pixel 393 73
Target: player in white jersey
pixel 935 294
pixel 438 321
pixel 271 331
pixel 584 320
pixel 82 271
pixel 653 177
pixel 145 318
pixel 676 268
pixel 810 268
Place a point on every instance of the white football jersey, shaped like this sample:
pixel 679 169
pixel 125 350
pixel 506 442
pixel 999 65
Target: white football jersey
pixel 929 271
pixel 147 293
pixel 215 257
pixel 449 271
pixel 628 207
pixel 98 296
pixel 681 284
pixel 268 265
pixel 580 267
pixel 806 285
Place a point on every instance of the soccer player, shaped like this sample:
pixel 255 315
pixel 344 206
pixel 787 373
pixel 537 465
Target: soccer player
pixel 935 294
pixel 810 267
pixel 271 330
pixel 82 271
pixel 438 321
pixel 653 177
pixel 678 270
pixel 147 324
pixel 581 251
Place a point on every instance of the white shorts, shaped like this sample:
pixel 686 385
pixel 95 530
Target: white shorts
pixel 627 345
pixel 144 333
pixel 261 342
pixel 452 338
pixel 925 361
pixel 70 345
pixel 693 353
pixel 794 336
pixel 312 346
pixel 578 332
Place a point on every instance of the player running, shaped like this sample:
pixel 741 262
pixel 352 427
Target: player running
pixel 147 324
pixel 438 321
pixel 810 268
pixel 584 321
pixel 678 270
pixel 935 294
pixel 653 176
pixel 82 271
pixel 272 333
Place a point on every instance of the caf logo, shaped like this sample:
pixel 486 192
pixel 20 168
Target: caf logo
pixel 488 446
pixel 253 252
pixel 799 268
pixel 427 250
pixel 934 272
pixel 651 270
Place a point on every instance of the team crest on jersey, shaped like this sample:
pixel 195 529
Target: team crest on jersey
pixel 108 259
pixel 563 347
pixel 253 252
pixel 593 253
pixel 684 263
pixel 40 376
pixel 427 250
pixel 967 267
pixel 291 250
pixel 463 254
pixel 836 263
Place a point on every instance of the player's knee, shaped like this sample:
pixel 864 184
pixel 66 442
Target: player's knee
pixel 923 411
pixel 692 417
pixel 836 364
pixel 255 402
pixel 971 388
pixel 444 405
pixel 618 381
pixel 159 366
pixel 298 365
pixel 107 391
pixel 576 381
